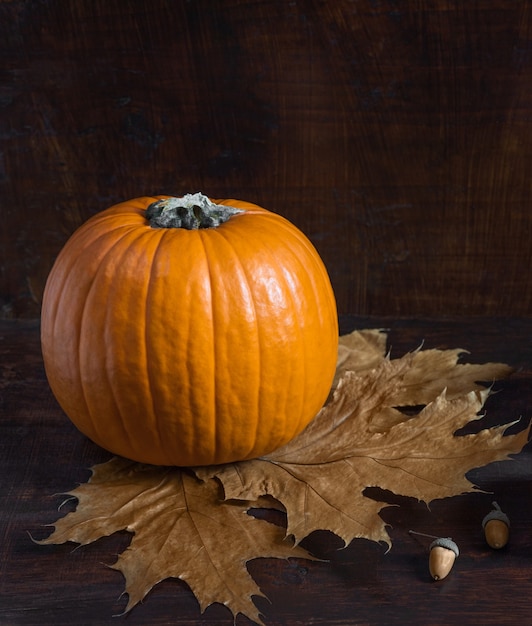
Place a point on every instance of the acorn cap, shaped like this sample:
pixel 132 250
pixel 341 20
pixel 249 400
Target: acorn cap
pixel 445 542
pixel 496 514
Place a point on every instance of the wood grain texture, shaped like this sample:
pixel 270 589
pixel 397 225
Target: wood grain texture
pixel 42 456
pixel 395 135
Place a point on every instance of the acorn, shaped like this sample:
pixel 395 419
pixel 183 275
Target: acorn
pixel 443 552
pixel 496 527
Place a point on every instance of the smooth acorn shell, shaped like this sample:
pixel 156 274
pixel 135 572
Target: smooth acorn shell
pixel 443 553
pixel 497 533
pixel 496 527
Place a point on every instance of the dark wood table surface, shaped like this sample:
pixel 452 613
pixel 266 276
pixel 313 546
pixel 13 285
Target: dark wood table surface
pixel 42 455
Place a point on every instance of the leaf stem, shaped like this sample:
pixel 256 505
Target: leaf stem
pixel 413 532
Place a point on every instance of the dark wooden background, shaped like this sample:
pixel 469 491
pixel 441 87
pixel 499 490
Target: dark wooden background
pixel 397 135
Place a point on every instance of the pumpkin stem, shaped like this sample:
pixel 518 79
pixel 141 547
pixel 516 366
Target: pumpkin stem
pixel 192 211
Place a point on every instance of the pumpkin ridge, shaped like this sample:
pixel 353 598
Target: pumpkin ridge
pixel 318 265
pixel 137 443
pixel 83 241
pixel 283 223
pixel 213 428
pixel 147 307
pixel 174 384
pixel 101 268
pixel 87 239
pixel 221 233
pixel 57 290
pixel 304 279
pixel 319 270
pixel 123 416
pixel 288 289
pixel 315 276
pixel 272 260
pixel 54 315
pixel 280 271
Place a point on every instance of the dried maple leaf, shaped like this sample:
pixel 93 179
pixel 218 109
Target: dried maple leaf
pixel 181 529
pixel 358 351
pixel 361 439
pixel 389 423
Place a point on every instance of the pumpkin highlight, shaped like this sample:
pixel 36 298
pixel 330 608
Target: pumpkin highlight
pixel 189 346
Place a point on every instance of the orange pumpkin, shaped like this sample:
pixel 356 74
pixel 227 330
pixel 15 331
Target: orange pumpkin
pixel 207 338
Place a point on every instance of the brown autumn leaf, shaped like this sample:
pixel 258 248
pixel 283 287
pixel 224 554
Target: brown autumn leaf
pixel 362 439
pixel 181 529
pixel 358 351
pixel 389 423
